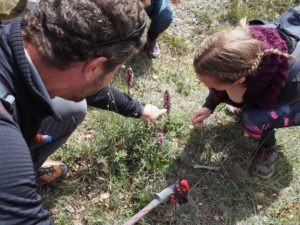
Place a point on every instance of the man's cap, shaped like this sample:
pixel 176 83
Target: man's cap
pixel 10 9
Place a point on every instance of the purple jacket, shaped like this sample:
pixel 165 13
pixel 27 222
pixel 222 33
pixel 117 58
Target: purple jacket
pixel 263 88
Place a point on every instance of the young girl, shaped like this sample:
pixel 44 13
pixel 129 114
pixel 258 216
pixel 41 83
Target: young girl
pixel 250 68
pixel 161 15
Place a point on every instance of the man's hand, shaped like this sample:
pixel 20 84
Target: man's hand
pixel 146 2
pixel 236 92
pixel 200 115
pixel 176 2
pixel 151 113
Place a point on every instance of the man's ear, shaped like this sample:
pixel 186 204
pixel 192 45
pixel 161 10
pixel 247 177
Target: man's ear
pixel 94 67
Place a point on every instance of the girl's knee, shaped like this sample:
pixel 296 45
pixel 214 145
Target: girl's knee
pixel 245 117
pixel 166 17
pixel 250 127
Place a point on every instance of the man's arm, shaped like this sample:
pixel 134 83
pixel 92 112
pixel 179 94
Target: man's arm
pixel 19 201
pixel 110 98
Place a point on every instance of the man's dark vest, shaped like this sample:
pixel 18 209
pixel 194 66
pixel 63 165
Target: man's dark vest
pixel 8 102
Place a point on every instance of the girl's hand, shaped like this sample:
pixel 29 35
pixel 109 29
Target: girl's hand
pixel 236 92
pixel 200 115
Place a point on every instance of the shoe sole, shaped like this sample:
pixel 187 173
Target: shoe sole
pixel 154 57
pixel 264 177
pixel 63 175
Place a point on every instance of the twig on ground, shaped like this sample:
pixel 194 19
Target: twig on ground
pixel 197 166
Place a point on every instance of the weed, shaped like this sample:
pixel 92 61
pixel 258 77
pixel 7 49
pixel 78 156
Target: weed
pixel 176 45
pixel 205 17
pixel 270 10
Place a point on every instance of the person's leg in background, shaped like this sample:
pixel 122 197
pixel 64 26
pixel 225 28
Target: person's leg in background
pixel 72 114
pixel 161 17
pixel 259 123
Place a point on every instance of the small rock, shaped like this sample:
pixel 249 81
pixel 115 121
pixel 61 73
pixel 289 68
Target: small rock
pixel 104 196
pixel 169 214
pixel 217 218
pixel 70 209
pixel 259 194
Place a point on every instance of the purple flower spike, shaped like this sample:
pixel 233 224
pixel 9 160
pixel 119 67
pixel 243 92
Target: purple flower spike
pixel 167 100
pixel 129 77
pixel 160 139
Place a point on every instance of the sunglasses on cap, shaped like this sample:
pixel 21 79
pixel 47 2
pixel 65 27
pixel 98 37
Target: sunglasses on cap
pixel 129 37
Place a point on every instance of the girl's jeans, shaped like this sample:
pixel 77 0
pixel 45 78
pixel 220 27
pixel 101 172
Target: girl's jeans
pixel 160 14
pixel 259 123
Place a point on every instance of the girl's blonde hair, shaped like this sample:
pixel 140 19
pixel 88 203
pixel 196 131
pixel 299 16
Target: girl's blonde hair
pixel 231 54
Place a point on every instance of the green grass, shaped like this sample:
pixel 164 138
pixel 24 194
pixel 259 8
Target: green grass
pixel 254 9
pixel 116 166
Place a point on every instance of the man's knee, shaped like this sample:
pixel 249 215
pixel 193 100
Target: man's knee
pixel 79 112
pixel 72 113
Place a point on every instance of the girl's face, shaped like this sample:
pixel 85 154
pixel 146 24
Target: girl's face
pixel 212 82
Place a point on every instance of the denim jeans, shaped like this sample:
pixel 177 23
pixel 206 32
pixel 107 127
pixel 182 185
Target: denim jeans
pixel 161 17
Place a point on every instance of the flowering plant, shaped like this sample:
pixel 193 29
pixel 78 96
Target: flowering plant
pixel 167 101
pixel 129 78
